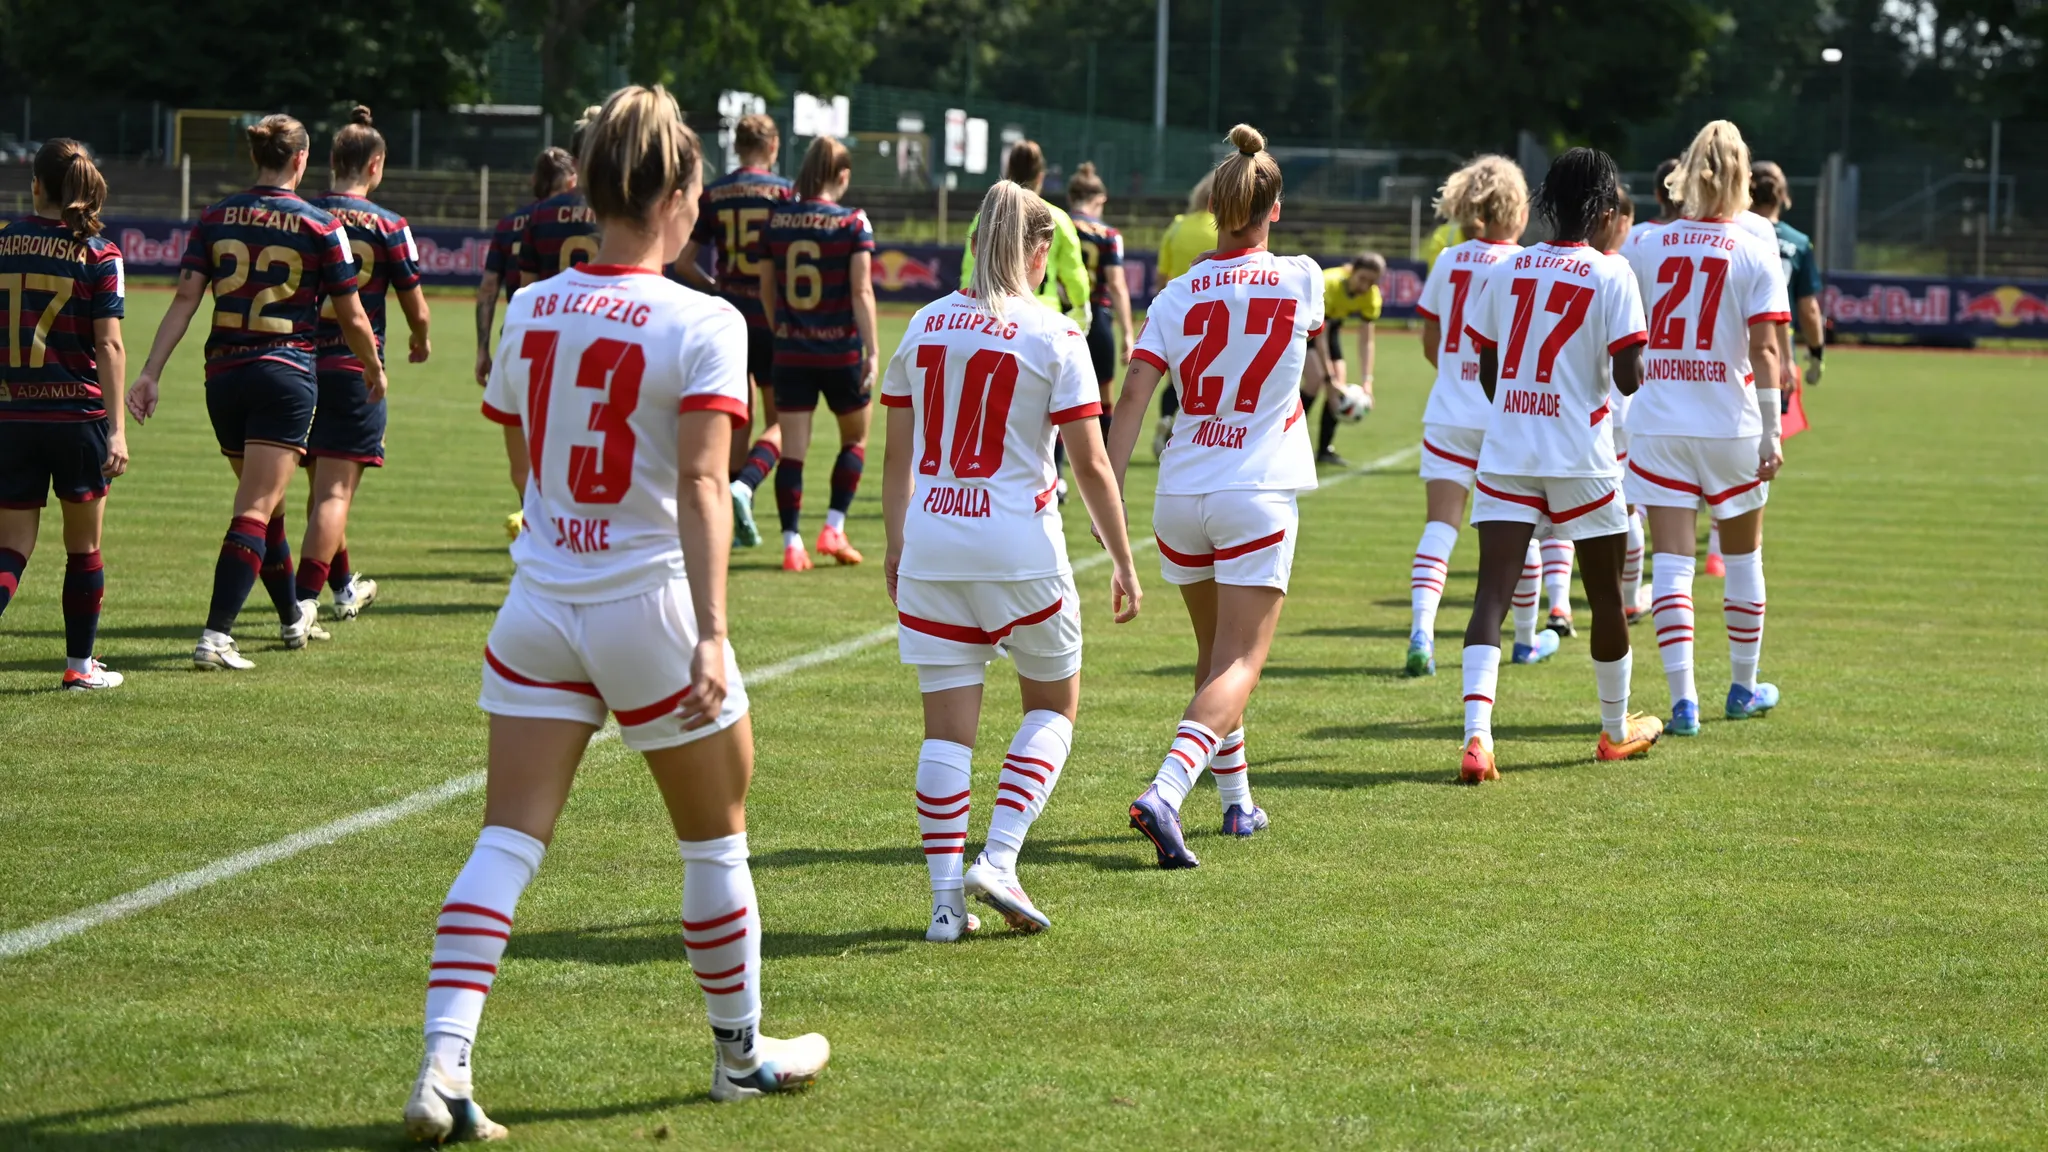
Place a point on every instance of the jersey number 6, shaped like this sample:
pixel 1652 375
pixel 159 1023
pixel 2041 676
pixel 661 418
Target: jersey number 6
pixel 600 475
pixel 1269 316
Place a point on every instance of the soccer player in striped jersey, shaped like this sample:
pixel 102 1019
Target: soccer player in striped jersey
pixel 62 425
pixel 1232 333
pixel 818 297
pixel 348 427
pixel 1185 239
pixel 561 231
pixel 735 209
pixel 1109 296
pixel 1558 326
pixel 269 258
pixel 977 562
pixel 554 172
pixel 1489 202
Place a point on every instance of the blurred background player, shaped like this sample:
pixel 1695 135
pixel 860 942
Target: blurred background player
pixel 62 421
pixel 348 427
pixel 977 557
pixel 818 297
pixel 1185 240
pixel 735 209
pixel 1350 291
pixel 1772 197
pixel 1608 239
pixel 560 231
pixel 270 258
pixel 1224 515
pixel 554 172
pixel 636 627
pixel 1702 434
pixel 1667 208
pixel 1110 334
pixel 1559 327
pixel 1066 287
pixel 1488 201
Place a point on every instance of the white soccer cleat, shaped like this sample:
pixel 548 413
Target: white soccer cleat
pixel 96 676
pixel 441 1109
pixel 950 923
pixel 219 653
pixel 359 593
pixel 1001 891
pixel 785 1066
pixel 307 628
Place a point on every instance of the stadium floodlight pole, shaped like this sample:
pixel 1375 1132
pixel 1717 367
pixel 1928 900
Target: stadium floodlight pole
pixel 1159 97
pixel 1993 214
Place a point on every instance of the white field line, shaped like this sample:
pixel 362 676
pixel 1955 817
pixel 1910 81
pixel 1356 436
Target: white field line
pixel 37 937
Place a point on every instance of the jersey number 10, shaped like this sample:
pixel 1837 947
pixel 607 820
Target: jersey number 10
pixel 987 389
pixel 600 475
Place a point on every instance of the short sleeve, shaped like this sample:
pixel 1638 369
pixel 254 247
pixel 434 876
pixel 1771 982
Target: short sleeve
pixel 705 230
pixel 338 263
pixel 198 254
pixel 715 366
pixel 1162 317
pixel 529 256
pixel 1112 253
pixel 1621 309
pixel 109 281
pixel 501 396
pixel 863 234
pixel 1480 323
pixel 403 256
pixel 1805 274
pixel 499 251
pixel 1764 300
pixel 1317 315
pixel 897 389
pixel 1431 306
pixel 1374 301
pixel 1075 393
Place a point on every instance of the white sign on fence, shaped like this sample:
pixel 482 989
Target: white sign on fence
pixel 977 146
pixel 816 116
pixel 956 137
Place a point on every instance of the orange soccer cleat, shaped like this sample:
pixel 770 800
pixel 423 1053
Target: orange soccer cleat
pixel 832 542
pixel 1715 565
pixel 1642 732
pixel 795 559
pixel 1478 764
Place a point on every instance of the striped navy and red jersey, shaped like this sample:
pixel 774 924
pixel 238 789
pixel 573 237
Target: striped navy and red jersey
pixel 560 232
pixel 501 258
pixel 731 214
pixel 272 259
pixel 386 259
pixel 1102 250
pixel 812 243
pixel 52 287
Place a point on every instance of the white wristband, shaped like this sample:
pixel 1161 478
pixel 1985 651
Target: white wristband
pixel 1767 407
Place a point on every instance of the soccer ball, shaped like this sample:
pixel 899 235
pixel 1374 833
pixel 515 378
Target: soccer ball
pixel 515 524
pixel 1350 402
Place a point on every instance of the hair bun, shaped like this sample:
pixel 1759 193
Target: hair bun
pixel 1085 168
pixel 1248 140
pixel 360 114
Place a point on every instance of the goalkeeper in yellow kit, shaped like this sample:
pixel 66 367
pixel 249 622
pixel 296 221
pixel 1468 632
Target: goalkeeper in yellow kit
pixel 1067 283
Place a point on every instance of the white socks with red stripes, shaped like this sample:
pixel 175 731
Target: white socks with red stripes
pixel 1671 612
pixel 470 938
pixel 1612 676
pixel 1228 766
pixel 1194 746
pixel 1030 770
pixel 1524 603
pixel 1557 573
pixel 722 934
pixel 1632 562
pixel 1426 577
pixel 1742 609
pixel 1482 674
pixel 944 780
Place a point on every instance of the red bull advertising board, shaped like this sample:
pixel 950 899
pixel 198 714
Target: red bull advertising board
pixel 1939 309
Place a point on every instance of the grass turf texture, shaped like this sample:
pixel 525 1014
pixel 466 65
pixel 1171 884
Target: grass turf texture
pixel 1819 929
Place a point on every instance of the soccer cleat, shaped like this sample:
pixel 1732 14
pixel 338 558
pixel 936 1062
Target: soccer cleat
pixel 950 923
pixel 1478 763
pixel 359 593
pixel 1059 490
pixel 1161 825
pixel 1640 610
pixel 1560 623
pixel 1238 822
pixel 795 559
pixel 440 1110
pixel 515 524
pixel 745 533
pixel 1001 891
pixel 786 1066
pixel 1642 731
pixel 1715 565
pixel 306 628
pixel 96 676
pixel 1543 649
pixel 1162 431
pixel 1329 457
pixel 1685 718
pixel 223 655
pixel 832 542
pixel 1744 704
pixel 1421 655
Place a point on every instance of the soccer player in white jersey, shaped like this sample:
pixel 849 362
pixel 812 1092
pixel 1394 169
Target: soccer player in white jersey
pixel 977 561
pixel 1608 239
pixel 1489 201
pixel 1232 331
pixel 1704 430
pixel 625 388
pixel 1549 322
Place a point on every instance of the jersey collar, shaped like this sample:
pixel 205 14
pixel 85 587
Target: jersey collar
pixel 1232 254
pixel 1564 243
pixel 273 190
pixel 617 270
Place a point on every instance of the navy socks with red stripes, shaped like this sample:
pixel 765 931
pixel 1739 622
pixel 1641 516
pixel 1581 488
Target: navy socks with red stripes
pixel 761 460
pixel 11 565
pixel 846 470
pixel 789 493
pixel 234 574
pixel 277 571
pixel 85 586
pixel 722 938
pixel 471 933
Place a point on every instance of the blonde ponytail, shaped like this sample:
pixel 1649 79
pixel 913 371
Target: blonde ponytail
pixel 1711 181
pixel 1247 185
pixel 1014 224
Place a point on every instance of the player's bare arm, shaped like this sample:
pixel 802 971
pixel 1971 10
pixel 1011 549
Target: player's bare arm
pixel 860 277
pixel 704 523
pixel 112 357
pixel 897 484
pixel 1126 426
pixel 486 315
pixel 413 302
pixel 1102 493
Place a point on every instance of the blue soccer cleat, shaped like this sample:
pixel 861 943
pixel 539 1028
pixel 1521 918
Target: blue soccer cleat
pixel 1421 654
pixel 1685 718
pixel 1153 816
pixel 1544 648
pixel 1238 822
pixel 745 532
pixel 1744 704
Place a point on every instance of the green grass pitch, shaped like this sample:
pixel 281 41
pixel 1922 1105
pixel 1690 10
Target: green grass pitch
pixel 1822 929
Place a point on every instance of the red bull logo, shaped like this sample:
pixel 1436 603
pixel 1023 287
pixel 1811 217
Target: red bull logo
pixel 1401 287
pixel 2007 306
pixel 1889 304
pixel 897 271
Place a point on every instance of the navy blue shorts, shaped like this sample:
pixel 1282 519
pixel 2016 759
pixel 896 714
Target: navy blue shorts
pixel 264 402
pixel 1102 344
pixel 761 356
pixel 39 455
pixel 798 389
pixel 346 426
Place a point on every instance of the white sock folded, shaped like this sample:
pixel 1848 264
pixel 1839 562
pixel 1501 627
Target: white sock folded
pixel 1671 611
pixel 1482 674
pixel 1742 610
pixel 1612 677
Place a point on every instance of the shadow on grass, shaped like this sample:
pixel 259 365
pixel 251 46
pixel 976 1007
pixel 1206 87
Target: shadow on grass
pixel 1357 632
pixel 912 856
pixel 1292 671
pixel 1451 731
pixel 661 941
pixel 449 577
pixel 186 632
pixel 467 608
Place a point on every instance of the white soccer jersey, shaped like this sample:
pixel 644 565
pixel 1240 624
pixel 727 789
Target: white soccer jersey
pixel 986 397
pixel 1556 313
pixel 1231 333
pixel 1705 283
pixel 1616 402
pixel 595 367
pixel 1456 400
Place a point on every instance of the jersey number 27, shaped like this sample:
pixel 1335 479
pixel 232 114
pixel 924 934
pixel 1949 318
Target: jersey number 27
pixel 1268 316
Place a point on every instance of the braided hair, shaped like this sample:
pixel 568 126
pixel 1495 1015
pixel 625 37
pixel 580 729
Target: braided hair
pixel 1583 185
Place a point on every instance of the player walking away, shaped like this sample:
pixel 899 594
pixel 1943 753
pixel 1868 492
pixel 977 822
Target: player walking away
pixel 1608 239
pixel 1186 239
pixel 1704 431
pixel 561 231
pixel 1233 333
pixel 1667 208
pixel 348 427
pixel 1067 283
pixel 627 387
pixel 1350 291
pixel 62 424
pixel 1550 322
pixel 818 297
pixel 1772 197
pixel 1488 200
pixel 554 172
pixel 730 220
pixel 1109 297
pixel 977 555
pixel 270 259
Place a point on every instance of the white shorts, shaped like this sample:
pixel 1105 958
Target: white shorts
pixel 1694 472
pixel 1241 536
pixel 958 626
pixel 551 660
pixel 1451 453
pixel 1561 507
pixel 1621 446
